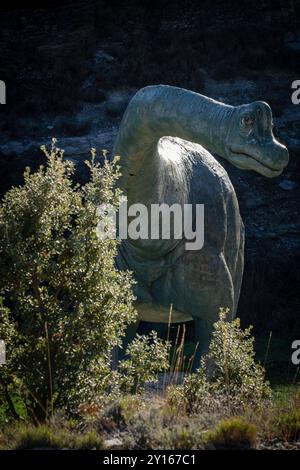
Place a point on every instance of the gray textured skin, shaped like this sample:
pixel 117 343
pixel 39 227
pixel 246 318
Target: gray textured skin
pixel 164 142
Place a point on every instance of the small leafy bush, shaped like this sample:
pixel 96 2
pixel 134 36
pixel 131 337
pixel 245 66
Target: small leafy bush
pixel 233 433
pixel 175 404
pixel 64 305
pixel 147 356
pixel 228 375
pixel 181 438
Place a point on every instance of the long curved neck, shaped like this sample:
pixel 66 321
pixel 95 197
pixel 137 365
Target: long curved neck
pixel 162 110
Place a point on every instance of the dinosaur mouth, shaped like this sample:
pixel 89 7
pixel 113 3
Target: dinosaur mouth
pixel 246 161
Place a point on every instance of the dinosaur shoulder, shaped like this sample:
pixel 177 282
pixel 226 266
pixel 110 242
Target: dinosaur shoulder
pixel 192 164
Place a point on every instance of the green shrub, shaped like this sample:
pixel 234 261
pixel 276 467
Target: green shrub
pixel 228 375
pixel 146 357
pixel 123 410
pixel 64 304
pixel 288 425
pixel 175 404
pixel 232 433
pixel 181 438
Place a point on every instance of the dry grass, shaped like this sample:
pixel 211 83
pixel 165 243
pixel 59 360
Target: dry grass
pixel 47 436
pixel 155 421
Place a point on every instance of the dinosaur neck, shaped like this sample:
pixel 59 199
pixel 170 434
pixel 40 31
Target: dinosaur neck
pixel 158 111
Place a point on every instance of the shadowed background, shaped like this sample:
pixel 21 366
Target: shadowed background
pixel 71 67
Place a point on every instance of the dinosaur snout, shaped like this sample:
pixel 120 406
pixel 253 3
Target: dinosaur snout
pixel 267 158
pixel 272 155
pixel 277 156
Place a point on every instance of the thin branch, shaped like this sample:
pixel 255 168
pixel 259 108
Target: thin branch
pixel 49 367
pixel 9 400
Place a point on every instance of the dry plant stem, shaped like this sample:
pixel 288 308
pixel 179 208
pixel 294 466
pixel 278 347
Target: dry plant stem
pixel 267 350
pixel 49 368
pixel 192 358
pixel 174 352
pixel 168 338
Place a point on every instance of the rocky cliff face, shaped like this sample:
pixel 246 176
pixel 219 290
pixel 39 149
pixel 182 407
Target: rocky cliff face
pixel 71 67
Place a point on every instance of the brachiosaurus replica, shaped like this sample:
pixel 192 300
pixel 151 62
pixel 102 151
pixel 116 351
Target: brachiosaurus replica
pixel 164 141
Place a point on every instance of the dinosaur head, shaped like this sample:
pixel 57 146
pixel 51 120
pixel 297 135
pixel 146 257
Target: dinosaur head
pixel 250 143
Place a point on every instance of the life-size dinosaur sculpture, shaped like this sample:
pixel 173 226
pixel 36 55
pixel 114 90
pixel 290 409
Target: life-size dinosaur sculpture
pixel 164 142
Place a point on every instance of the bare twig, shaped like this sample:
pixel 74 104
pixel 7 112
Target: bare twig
pixel 49 367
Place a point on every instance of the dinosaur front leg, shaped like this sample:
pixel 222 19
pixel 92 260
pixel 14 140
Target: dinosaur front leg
pixel 198 284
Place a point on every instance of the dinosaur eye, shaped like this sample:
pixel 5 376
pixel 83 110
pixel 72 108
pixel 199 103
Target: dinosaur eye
pixel 247 120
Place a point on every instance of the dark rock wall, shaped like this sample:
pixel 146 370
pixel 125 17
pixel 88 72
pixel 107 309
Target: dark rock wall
pixel 70 68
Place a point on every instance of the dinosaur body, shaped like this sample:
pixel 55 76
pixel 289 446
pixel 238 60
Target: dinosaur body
pixel 164 141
